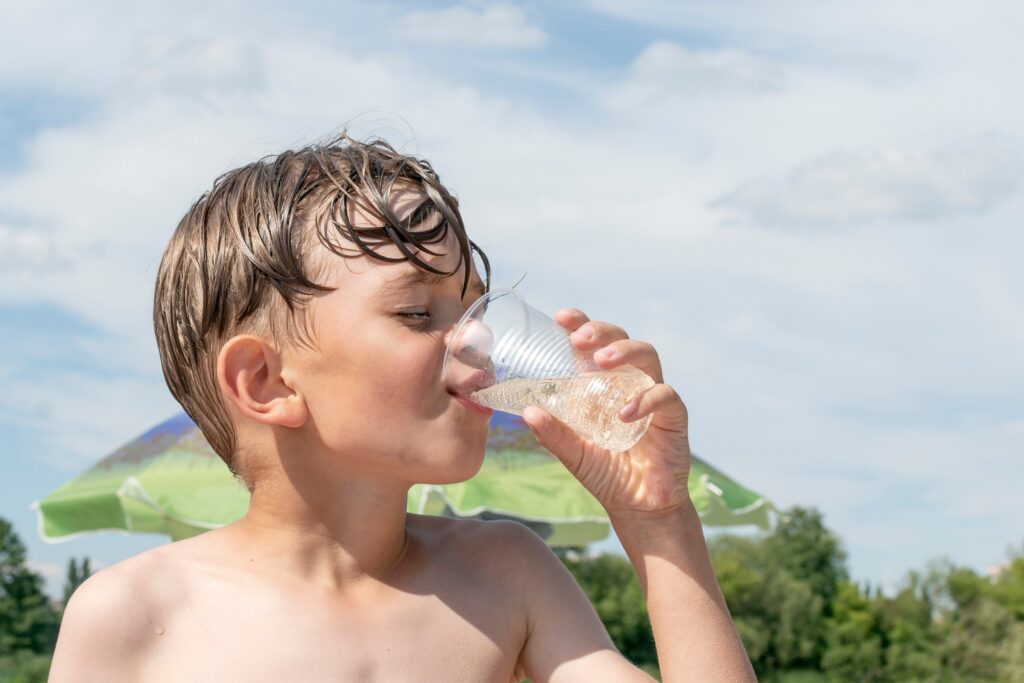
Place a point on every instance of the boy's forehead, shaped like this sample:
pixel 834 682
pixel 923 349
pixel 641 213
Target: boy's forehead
pixel 408 278
pixel 400 275
pixel 383 278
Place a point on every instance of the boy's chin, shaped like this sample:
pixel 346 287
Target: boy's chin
pixel 455 471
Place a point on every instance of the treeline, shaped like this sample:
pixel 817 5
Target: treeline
pixel 789 591
pixel 29 620
pixel 802 619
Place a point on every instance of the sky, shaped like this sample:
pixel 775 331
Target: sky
pixel 813 211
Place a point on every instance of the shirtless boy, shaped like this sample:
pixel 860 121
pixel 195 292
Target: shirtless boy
pixel 302 309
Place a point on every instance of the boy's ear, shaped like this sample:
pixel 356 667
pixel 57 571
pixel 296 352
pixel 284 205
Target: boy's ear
pixel 249 374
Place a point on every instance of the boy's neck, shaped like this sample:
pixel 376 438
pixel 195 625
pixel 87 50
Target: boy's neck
pixel 339 536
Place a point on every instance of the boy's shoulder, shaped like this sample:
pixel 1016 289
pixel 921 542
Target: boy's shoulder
pixel 497 544
pixel 503 560
pixel 109 619
pixel 158 578
pixel 134 587
pixel 128 581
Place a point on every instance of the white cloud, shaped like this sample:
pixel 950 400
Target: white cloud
pixel 26 250
pixel 209 63
pixel 1014 426
pixel 874 40
pixel 86 416
pixel 480 26
pixel 860 187
pixel 667 65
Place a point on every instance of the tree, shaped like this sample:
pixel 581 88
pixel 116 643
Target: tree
pixel 853 641
pixel 775 613
pixel 27 621
pixel 906 625
pixel 809 551
pixel 1008 589
pixel 77 574
pixel 779 587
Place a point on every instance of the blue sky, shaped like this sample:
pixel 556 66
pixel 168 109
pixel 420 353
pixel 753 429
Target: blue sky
pixel 813 211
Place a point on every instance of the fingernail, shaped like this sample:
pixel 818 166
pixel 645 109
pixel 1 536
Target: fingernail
pixel 584 335
pixel 628 410
pixel 541 419
pixel 607 353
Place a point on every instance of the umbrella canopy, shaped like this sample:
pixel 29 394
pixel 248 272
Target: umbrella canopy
pixel 169 481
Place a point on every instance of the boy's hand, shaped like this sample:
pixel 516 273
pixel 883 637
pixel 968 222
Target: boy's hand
pixel 648 479
pixel 644 491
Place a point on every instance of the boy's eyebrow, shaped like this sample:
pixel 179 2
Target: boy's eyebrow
pixel 422 277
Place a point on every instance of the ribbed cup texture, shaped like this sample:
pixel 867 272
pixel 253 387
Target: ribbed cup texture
pixel 539 353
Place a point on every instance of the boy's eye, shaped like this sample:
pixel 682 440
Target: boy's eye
pixel 421 317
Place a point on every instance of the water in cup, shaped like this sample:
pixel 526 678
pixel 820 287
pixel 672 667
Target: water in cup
pixel 506 355
pixel 589 405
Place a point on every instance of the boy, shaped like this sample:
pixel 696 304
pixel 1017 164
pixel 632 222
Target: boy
pixel 302 310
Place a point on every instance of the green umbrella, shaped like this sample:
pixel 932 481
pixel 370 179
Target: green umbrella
pixel 169 481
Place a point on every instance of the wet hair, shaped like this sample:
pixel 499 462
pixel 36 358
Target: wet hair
pixel 244 257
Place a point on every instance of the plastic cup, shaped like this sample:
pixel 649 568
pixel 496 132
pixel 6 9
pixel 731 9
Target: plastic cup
pixel 506 355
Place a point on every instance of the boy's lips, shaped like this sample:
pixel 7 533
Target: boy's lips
pixel 468 381
pixel 470 405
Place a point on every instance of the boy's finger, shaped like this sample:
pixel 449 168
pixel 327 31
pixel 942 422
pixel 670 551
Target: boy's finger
pixel 571 318
pixel 664 403
pixel 597 333
pixel 639 354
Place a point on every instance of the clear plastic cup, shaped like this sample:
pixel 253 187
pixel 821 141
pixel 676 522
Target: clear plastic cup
pixel 506 355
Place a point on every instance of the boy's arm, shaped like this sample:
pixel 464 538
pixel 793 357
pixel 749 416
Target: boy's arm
pixel 645 493
pixel 693 632
pixel 101 632
pixel 565 641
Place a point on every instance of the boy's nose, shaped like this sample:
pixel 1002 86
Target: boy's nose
pixel 469 366
pixel 472 344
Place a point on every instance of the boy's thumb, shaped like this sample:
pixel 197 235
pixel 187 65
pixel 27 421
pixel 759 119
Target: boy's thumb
pixel 556 436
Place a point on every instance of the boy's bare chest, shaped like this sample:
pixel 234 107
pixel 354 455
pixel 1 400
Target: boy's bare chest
pixel 450 635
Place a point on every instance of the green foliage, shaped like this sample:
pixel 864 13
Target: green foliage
pixel 777 587
pixel 1009 588
pixel 801 676
pixel 77 574
pixel 806 549
pixel 854 643
pixel 975 632
pixel 1011 655
pixel 802 620
pixel 905 625
pixel 27 620
pixel 24 667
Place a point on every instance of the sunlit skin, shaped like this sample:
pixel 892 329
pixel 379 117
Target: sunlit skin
pixel 328 578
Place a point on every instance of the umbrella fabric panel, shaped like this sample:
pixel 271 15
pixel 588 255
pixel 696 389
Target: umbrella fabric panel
pixel 544 491
pixel 180 486
pixel 195 490
pixel 720 501
pixel 170 481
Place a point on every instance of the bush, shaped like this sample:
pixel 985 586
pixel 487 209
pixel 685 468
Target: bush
pixel 24 667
